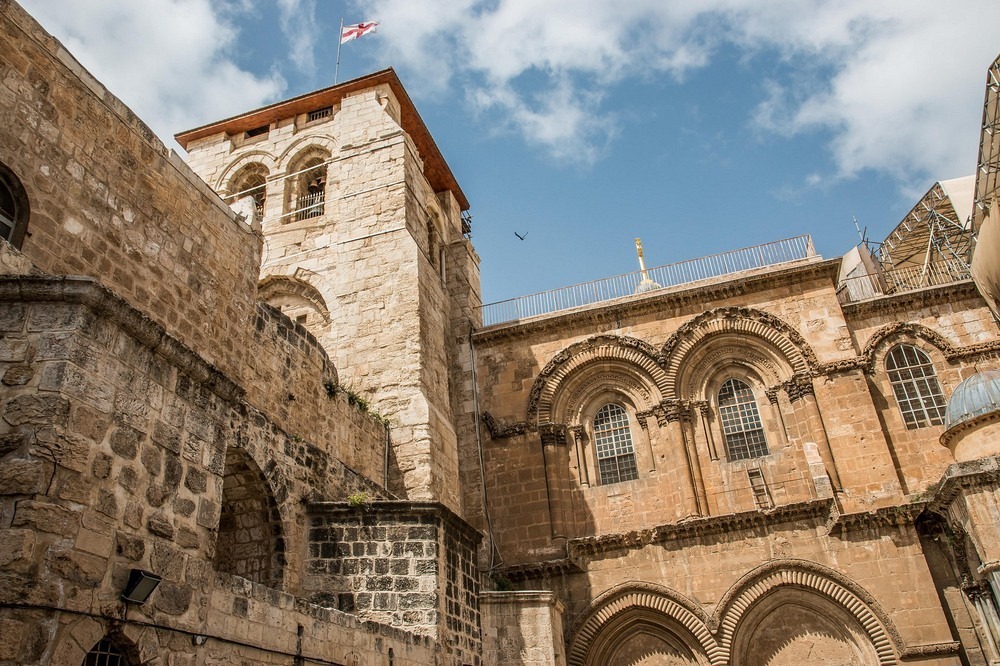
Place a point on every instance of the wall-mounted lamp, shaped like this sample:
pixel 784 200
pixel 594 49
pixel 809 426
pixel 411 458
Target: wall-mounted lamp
pixel 140 585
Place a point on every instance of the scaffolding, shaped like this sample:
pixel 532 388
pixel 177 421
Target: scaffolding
pixel 988 171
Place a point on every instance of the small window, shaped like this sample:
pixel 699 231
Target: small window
pixel 741 423
pixel 316 114
pixel 257 131
pixel 105 653
pixel 916 387
pixel 613 437
pixel 13 208
pixel 311 190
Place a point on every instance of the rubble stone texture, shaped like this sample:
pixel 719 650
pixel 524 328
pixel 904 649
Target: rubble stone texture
pixel 262 376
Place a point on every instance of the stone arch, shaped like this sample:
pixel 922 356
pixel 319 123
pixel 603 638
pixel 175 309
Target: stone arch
pixel 619 612
pixel 273 287
pixel 825 583
pixel 885 337
pixel 564 379
pixel 306 181
pixel 84 636
pixel 262 157
pixel 251 538
pixel 773 339
pixel 302 145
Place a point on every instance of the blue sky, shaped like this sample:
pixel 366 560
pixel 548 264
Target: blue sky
pixel 698 126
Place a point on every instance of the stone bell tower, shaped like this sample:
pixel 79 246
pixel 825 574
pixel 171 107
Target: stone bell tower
pixel 367 248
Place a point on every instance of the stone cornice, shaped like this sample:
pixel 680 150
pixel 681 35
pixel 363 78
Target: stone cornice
pixel 373 508
pixel 910 300
pixel 668 300
pixel 101 301
pixel 537 570
pixel 961 476
pixel 965 426
pixel 817 510
pixel 890 516
pixel 533 597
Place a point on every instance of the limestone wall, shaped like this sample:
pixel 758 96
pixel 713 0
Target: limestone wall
pixel 108 200
pixel 522 628
pixel 117 452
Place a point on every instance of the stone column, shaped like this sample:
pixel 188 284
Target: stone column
pixel 673 411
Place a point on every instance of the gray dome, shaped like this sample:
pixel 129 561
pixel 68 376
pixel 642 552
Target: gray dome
pixel 979 394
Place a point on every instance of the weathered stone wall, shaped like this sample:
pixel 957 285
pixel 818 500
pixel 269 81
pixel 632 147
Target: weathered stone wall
pixel 118 452
pixel 108 200
pixel 522 628
pixel 403 564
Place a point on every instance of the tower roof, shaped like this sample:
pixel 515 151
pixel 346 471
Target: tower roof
pixel 436 169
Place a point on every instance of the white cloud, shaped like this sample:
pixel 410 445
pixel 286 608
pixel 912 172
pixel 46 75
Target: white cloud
pixel 168 60
pixel 897 84
pixel 301 30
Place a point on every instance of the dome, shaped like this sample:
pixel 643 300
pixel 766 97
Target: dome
pixel 979 394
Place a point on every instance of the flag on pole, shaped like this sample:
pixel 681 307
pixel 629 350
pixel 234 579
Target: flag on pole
pixel 349 32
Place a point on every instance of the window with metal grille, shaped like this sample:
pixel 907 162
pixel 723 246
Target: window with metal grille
pixel 915 384
pixel 613 437
pixel 741 423
pixel 105 654
pixel 316 114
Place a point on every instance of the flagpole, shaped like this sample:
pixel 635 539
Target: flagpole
pixel 340 42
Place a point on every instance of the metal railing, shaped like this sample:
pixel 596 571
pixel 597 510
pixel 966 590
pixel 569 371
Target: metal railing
pixel 661 277
pixel 899 280
pixel 309 205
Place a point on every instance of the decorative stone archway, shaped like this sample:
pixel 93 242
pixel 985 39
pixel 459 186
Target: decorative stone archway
pixel 645 622
pixel 854 623
pixel 622 356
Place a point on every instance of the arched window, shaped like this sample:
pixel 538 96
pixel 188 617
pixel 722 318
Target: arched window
pixel 252 182
pixel 613 437
pixel 105 653
pixel 310 191
pixel 741 424
pixel 13 208
pixel 915 384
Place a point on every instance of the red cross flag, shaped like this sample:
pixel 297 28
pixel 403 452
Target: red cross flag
pixel 349 32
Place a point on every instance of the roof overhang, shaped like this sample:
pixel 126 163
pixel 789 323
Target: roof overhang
pixel 435 168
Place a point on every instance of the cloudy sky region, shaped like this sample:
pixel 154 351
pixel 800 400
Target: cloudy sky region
pixel 699 126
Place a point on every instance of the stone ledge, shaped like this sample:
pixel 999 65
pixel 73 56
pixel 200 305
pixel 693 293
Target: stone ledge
pixel 101 301
pixel 912 299
pixel 372 509
pixel 525 597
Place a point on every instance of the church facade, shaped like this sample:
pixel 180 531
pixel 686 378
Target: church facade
pixel 253 411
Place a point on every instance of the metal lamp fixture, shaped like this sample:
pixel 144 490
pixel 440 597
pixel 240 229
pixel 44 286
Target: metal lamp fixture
pixel 140 585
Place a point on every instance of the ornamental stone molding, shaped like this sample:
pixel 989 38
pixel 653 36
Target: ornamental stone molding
pixel 712 636
pixel 896 332
pixel 499 430
pixel 749 323
pixel 634 364
pixel 650 599
pixel 823 581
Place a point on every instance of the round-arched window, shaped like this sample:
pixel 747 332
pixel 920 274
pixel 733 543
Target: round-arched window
pixel 916 387
pixel 13 208
pixel 741 422
pixel 613 439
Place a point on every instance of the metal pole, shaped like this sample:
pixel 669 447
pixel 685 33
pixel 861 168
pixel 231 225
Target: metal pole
pixel 340 42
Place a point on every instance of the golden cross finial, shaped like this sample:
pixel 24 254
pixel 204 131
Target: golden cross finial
pixel 638 251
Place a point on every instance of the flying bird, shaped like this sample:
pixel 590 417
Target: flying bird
pixel 520 236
